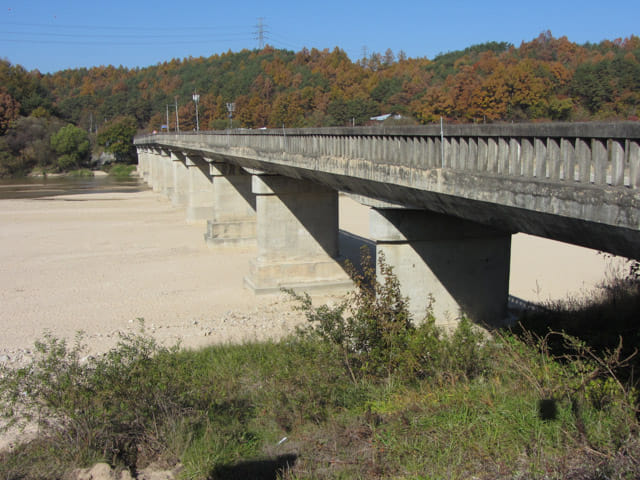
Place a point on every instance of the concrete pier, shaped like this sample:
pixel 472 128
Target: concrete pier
pixel 166 174
pixel 179 192
pixel 297 234
pixel 144 162
pixel 159 174
pixel 463 266
pixel 154 168
pixel 200 199
pixel 233 215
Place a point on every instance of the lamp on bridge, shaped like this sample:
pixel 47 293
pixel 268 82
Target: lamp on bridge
pixel 231 108
pixel 196 99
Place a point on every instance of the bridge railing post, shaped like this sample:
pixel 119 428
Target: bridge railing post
pixel 568 159
pixel 540 158
pixel 553 159
pixel 634 163
pixel 583 152
pixel 599 159
pixel 515 159
pixel 616 155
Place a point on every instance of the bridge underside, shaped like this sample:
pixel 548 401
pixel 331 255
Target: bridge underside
pixel 563 213
pixel 445 232
pixel 450 265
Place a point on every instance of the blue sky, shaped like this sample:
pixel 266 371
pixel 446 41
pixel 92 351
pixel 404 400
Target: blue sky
pixel 53 35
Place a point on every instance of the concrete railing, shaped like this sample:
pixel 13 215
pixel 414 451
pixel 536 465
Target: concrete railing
pixel 579 153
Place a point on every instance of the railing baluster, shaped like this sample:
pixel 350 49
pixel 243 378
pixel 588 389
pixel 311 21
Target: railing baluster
pixel 481 164
pixel 540 158
pixel 515 163
pixel 600 161
pixel 616 153
pixel 503 156
pixel 492 155
pixel 472 157
pixel 634 163
pixel 553 159
pixel 463 153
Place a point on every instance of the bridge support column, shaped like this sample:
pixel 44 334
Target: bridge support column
pixel 297 234
pixel 233 215
pixel 143 163
pixel 180 191
pixel 200 197
pixel 462 265
pixel 166 174
pixel 154 169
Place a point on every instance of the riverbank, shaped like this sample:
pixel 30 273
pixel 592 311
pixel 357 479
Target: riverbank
pixel 97 262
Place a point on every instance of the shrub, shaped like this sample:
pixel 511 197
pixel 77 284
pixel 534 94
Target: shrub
pixel 374 333
pixel 370 326
pixel 107 404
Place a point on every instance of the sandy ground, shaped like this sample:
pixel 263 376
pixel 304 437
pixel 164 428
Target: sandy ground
pixel 98 262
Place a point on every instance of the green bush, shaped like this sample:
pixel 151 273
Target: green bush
pixel 107 404
pixel 371 327
pixel 374 333
pixel 72 146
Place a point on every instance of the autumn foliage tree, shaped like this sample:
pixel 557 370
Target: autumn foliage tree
pixel 545 79
pixel 9 110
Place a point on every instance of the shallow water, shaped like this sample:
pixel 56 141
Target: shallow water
pixel 37 187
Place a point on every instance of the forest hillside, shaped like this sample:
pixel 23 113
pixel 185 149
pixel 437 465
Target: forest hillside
pixel 546 79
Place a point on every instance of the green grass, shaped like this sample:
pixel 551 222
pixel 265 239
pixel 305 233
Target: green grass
pixel 223 409
pixel 119 170
pixel 82 172
pixel 347 397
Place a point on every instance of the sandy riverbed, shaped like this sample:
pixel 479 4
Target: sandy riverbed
pixel 97 262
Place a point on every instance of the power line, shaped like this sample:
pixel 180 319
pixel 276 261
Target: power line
pixel 124 27
pixel 125 36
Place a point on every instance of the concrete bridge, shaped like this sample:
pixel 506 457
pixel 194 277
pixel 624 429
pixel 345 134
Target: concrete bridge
pixel 444 201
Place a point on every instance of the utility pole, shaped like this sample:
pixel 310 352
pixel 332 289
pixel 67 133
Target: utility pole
pixel 177 119
pixel 167 118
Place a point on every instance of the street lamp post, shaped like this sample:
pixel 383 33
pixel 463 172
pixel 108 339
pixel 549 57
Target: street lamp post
pixel 177 118
pixel 231 108
pixel 196 99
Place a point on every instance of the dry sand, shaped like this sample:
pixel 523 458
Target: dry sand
pixel 97 262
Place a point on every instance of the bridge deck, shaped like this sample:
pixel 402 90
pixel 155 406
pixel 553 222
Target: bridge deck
pixel 576 183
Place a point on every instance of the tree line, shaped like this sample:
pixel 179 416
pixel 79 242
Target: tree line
pixel 547 78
